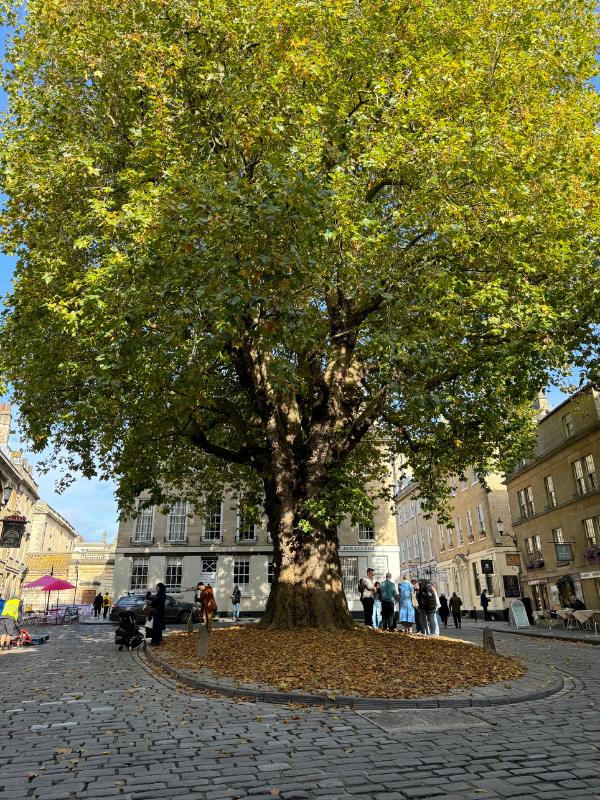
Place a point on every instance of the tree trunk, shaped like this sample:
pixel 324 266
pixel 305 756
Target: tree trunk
pixel 307 589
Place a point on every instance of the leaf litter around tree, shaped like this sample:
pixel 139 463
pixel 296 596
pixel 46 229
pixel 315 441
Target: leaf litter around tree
pixel 358 662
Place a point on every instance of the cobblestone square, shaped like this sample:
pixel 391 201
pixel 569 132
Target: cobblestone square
pixel 82 720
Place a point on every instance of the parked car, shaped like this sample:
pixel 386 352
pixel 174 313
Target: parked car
pixel 175 610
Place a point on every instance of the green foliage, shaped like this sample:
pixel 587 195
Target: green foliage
pixel 245 228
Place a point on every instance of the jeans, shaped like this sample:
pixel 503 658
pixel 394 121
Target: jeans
pixel 235 611
pixel 376 619
pixel 367 603
pixel 387 615
pixel 456 615
pixel 429 623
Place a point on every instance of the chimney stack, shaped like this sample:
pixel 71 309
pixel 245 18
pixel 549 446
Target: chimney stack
pixel 5 419
pixel 541 405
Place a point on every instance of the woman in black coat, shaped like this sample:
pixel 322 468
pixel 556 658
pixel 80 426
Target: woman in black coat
pixel 443 610
pixel 158 613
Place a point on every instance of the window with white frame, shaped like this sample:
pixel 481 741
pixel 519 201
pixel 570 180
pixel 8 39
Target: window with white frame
pixel 174 573
pixel 474 478
pixel 526 503
pixel 349 566
pixel 241 572
pixel 139 574
pixel 413 509
pixel 557 536
pixel 464 484
pixel 144 524
pixel 550 493
pixel 416 551
pixel 212 522
pixel 209 568
pixel 366 532
pixel 459 532
pixel 402 551
pixel 246 524
pixel 591 529
pixel 537 546
pixel 584 472
pixel 480 520
pixel 529 547
pixel 568 425
pixel 441 538
pixel 408 553
pixel 430 541
pixel 470 533
pixel 422 550
pixel 177 524
pixel 449 535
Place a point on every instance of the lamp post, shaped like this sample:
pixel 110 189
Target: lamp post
pixel 513 538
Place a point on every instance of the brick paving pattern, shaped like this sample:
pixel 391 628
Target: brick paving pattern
pixel 81 720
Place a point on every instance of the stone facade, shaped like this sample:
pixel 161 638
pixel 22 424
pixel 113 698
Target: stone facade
pixel 555 506
pixel 51 532
pixel 466 558
pixel 183 547
pixel 14 472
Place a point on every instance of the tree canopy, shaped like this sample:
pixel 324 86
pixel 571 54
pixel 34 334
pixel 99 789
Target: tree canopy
pixel 249 234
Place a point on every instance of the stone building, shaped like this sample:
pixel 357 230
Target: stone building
pixel 51 532
pixel 18 496
pixel 555 505
pixel 224 547
pixel 468 557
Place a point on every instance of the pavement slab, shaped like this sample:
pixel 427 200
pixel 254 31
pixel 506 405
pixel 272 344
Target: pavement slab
pixel 82 720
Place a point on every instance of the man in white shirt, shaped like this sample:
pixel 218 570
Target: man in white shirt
pixel 367 596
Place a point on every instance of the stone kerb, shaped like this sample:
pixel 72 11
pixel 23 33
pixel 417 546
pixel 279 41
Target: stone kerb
pixel 534 685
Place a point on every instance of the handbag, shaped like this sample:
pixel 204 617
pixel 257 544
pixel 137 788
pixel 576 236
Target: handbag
pixel 415 603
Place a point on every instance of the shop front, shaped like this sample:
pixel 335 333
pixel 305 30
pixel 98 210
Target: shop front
pixel 590 584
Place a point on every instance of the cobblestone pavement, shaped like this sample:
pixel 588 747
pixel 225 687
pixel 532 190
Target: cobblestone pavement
pixel 81 720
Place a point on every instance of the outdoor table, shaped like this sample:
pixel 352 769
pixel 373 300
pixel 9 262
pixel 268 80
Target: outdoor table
pixel 583 617
pixel 568 617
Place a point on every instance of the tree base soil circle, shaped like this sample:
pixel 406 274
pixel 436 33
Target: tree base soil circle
pixel 360 662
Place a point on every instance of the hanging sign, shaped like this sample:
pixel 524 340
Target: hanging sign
pixel 487 566
pixel 512 559
pixel 564 552
pixel 13 528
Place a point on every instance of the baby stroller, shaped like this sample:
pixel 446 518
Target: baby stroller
pixel 128 634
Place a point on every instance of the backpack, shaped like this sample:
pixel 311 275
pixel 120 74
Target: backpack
pixel 428 597
pixel 361 586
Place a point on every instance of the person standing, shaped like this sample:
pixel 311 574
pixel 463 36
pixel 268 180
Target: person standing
pixel 2 602
pixel 427 599
pixel 485 601
pixel 148 616
pixel 444 611
pixel 455 604
pixel 406 604
pixel 367 596
pixel 377 606
pixel 158 614
pixel 236 599
pixel 106 601
pixel 415 586
pixel 98 604
pixel 209 606
pixel 198 600
pixel 388 596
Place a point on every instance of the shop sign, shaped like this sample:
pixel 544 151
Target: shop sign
pixel 511 586
pixel 380 567
pixel 487 566
pixel 564 552
pixel 13 528
pixel 352 548
pixel 538 582
pixel 588 575
pixel 513 559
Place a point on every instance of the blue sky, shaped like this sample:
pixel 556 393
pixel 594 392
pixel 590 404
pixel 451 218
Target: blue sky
pixel 90 504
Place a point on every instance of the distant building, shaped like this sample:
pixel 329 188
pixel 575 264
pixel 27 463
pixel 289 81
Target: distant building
pixel 555 506
pixel 223 547
pixel 17 483
pixel 470 556
pixel 51 532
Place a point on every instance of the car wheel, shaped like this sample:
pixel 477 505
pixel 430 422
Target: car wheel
pixel 184 617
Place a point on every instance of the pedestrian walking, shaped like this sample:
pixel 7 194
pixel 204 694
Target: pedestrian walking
pixel 158 614
pixel 444 610
pixel 485 601
pixel 236 599
pixel 106 601
pixel 209 606
pixel 427 599
pixel 406 604
pixel 377 606
pixel 455 604
pixel 366 588
pixel 388 596
pixel 97 604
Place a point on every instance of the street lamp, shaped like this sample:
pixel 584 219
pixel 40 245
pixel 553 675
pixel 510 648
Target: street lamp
pixel 6 493
pixel 512 536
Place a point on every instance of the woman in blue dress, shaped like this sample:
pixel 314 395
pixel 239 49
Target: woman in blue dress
pixel 406 608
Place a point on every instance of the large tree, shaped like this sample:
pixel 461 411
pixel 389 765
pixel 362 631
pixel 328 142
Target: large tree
pixel 271 245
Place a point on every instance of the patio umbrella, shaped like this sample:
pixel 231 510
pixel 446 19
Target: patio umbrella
pixel 48 583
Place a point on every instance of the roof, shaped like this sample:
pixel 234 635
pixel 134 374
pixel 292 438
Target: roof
pixel 48 563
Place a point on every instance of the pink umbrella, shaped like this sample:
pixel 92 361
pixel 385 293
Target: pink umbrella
pixel 48 583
